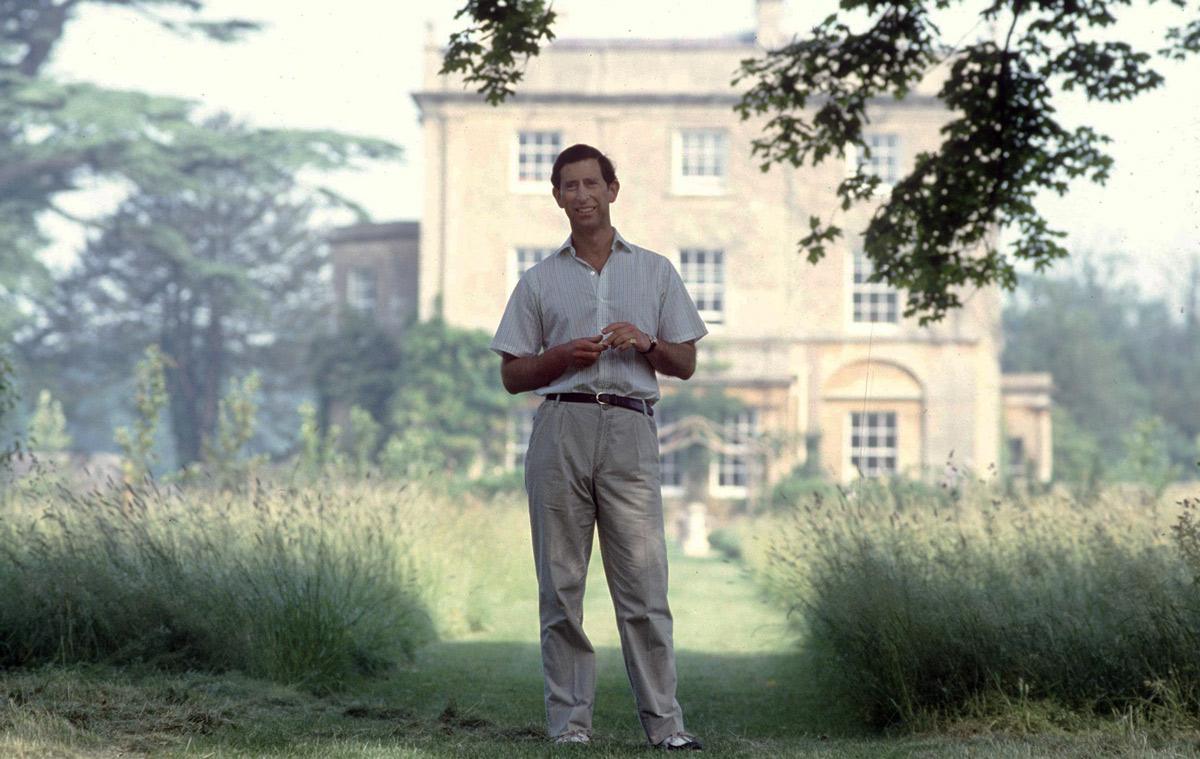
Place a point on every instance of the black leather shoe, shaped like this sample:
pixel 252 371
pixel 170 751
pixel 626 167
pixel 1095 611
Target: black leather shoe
pixel 680 742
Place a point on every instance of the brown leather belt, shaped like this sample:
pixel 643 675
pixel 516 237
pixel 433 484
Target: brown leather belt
pixel 604 399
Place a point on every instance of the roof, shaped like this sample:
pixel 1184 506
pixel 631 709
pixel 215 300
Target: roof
pixel 387 230
pixel 1027 382
pixel 623 43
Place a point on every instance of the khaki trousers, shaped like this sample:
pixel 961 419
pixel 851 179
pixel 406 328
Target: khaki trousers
pixel 592 466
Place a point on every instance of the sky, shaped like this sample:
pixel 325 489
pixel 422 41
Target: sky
pixel 350 65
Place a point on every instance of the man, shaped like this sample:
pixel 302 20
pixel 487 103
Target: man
pixel 587 328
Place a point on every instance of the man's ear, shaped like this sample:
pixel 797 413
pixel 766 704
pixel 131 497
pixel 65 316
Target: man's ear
pixel 613 188
pixel 557 197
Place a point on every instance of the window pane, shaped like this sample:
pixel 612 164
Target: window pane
pixel 703 274
pixel 536 153
pixel 873 442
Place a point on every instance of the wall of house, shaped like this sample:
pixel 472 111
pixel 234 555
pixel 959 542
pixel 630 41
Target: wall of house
pixel 788 327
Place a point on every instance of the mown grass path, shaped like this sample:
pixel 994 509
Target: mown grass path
pixel 736 669
pixel 480 696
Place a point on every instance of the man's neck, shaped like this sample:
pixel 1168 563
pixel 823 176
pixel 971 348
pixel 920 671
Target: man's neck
pixel 593 244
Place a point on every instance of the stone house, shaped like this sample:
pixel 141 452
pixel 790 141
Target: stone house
pixel 831 370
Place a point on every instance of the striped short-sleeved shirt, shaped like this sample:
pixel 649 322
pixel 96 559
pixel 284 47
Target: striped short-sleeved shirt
pixel 562 298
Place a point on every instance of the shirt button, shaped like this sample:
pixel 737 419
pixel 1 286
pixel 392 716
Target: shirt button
pixel 593 273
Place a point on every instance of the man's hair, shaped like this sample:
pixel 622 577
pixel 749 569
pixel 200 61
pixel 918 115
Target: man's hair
pixel 581 152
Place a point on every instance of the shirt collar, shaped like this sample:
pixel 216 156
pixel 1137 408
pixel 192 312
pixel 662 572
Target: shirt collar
pixel 619 243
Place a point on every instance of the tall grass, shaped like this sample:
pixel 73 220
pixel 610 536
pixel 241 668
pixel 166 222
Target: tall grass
pixel 927 610
pixel 313 585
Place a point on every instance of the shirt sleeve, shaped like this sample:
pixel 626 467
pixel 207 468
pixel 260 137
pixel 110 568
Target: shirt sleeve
pixel 520 330
pixel 678 319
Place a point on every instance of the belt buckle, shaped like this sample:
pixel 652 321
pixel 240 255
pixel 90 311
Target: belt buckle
pixel 602 403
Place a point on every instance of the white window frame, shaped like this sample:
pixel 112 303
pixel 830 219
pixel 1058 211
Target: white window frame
pixel 885 422
pixel 522 258
pixel 362 289
pixel 857 263
pixel 705 281
pixel 535 184
pixel 740 430
pixel 886 160
pixel 708 145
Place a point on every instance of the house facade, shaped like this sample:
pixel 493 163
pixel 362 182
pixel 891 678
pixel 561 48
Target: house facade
pixel 830 370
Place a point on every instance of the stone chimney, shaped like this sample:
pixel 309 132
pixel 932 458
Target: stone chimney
pixel 769 18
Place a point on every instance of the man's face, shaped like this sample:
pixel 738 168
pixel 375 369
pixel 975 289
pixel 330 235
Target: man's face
pixel 583 195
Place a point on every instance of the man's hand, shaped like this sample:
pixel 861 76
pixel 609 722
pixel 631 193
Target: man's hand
pixel 623 336
pixel 584 351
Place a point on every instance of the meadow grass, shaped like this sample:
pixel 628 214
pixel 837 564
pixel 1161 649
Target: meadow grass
pixel 753 677
pixel 480 695
pixel 982 606
pixel 309 585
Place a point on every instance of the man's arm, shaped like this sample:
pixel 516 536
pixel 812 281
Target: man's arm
pixel 520 374
pixel 674 359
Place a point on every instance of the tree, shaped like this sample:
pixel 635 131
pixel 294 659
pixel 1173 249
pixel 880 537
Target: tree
pixel 48 425
pixel 1122 365
pixel 1073 329
pixel 55 135
pixel 356 366
pixel 137 444
pixel 448 411
pixel 937 230
pixel 216 258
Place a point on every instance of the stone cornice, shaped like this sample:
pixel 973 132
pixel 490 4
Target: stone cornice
pixel 719 342
pixel 433 98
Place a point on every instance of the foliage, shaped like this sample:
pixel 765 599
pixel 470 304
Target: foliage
pixel 491 487
pixel 59 137
pixel 137 445
pixel 223 455
pixel 727 541
pixel 1077 456
pixel 174 171
pixel 365 434
pixel 936 231
pixel 1118 359
pixel 798 487
pixel 510 28
pixel 311 441
pixel 448 410
pixel 8 401
pixel 921 610
pixel 1002 146
pixel 358 365
pixel 427 402
pixel 218 243
pixel 1147 458
pixel 48 425
pixel 312 587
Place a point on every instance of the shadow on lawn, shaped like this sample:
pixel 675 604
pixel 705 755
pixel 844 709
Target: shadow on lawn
pixel 497 687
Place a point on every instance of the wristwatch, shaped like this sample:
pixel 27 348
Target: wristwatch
pixel 653 342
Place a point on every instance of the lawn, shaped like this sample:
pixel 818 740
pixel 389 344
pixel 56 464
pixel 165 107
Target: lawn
pixel 479 695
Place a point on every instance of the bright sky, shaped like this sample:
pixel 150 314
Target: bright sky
pixel 350 65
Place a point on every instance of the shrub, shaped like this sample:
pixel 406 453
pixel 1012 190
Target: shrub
pixel 306 587
pixel 727 541
pixel 914 608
